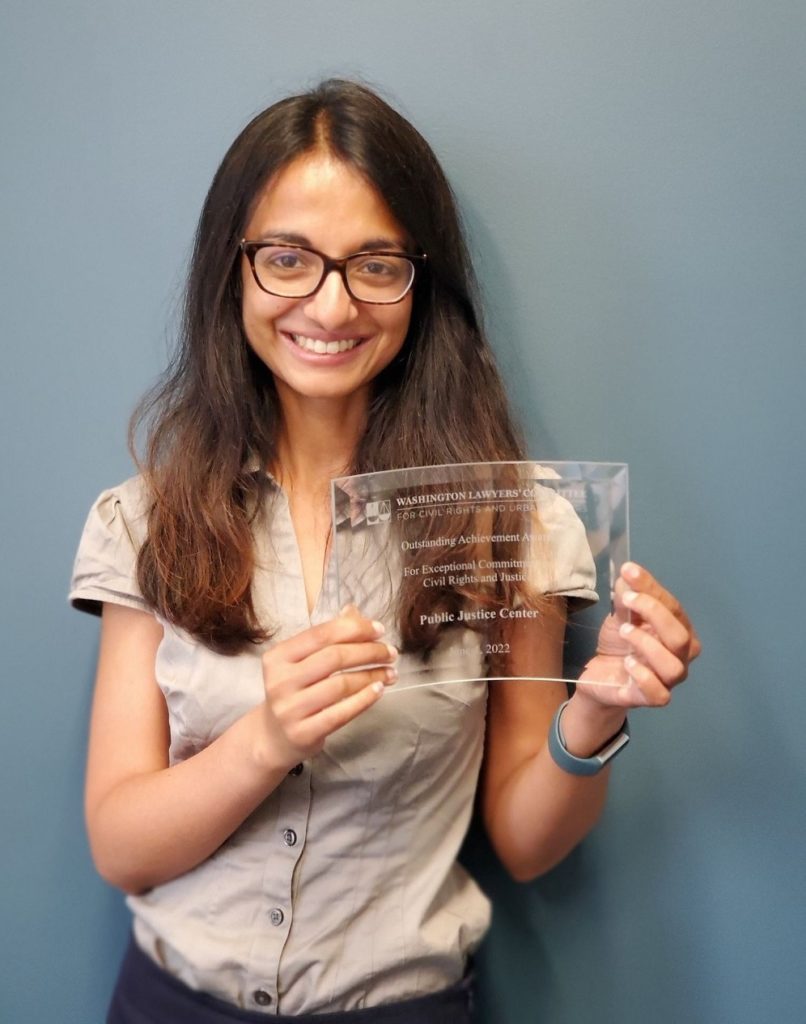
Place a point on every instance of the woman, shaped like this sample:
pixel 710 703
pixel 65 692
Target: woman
pixel 287 839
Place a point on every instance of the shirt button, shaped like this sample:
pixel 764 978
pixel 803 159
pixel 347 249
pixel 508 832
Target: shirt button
pixel 290 837
pixel 261 997
pixel 296 770
pixel 276 917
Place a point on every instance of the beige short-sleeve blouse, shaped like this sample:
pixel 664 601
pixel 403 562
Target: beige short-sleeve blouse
pixel 342 890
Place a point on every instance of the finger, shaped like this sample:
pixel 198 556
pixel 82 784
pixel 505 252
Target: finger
pixel 330 691
pixel 666 665
pixel 342 658
pixel 314 729
pixel 349 626
pixel 607 680
pixel 644 688
pixel 619 591
pixel 623 682
pixel 672 633
pixel 641 580
pixel 687 645
pixel 606 671
pixel 609 640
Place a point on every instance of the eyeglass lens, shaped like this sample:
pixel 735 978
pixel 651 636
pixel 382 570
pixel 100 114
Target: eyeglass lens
pixel 294 273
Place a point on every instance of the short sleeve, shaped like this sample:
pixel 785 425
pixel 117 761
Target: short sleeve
pixel 562 561
pixel 105 565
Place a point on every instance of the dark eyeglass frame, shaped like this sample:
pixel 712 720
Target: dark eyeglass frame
pixel 417 261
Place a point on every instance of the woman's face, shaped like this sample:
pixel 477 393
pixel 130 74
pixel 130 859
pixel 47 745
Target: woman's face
pixel 320 202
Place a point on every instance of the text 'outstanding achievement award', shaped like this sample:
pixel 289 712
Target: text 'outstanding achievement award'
pixel 478 563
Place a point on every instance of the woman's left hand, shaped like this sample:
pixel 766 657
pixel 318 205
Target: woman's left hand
pixel 645 647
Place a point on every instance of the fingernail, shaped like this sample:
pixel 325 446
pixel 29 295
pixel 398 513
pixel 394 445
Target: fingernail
pixel 379 627
pixel 391 675
pixel 392 651
pixel 377 687
pixel 630 663
pixel 629 597
pixel 626 629
pixel 631 570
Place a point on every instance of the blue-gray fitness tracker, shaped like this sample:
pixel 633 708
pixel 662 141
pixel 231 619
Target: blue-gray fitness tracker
pixel 583 765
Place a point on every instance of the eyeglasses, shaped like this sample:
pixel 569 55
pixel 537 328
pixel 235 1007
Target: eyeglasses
pixel 295 272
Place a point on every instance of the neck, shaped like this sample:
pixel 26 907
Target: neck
pixel 317 441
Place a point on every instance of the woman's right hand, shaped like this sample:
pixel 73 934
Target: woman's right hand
pixel 314 684
pixel 149 820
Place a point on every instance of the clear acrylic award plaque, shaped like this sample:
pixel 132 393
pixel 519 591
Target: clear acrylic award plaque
pixel 473 568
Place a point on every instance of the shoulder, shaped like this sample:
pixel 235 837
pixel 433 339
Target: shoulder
pixel 562 561
pixel 105 567
pixel 124 508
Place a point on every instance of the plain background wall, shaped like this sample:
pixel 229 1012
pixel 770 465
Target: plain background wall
pixel 632 176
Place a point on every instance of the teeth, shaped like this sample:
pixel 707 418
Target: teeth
pixel 330 348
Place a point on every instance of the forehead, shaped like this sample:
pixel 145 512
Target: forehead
pixel 325 201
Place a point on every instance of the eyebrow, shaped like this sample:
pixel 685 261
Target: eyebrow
pixel 368 245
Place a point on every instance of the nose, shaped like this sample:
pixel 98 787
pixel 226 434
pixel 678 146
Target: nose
pixel 331 306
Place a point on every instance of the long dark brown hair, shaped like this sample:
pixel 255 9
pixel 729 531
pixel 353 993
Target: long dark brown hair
pixel 215 414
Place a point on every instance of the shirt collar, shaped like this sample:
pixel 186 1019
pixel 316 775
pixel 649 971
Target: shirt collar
pixel 255 467
pixel 355 512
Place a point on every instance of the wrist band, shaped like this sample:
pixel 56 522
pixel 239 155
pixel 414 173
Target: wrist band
pixel 564 759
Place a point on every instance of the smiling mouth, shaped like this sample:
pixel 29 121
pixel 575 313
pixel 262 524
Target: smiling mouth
pixel 320 347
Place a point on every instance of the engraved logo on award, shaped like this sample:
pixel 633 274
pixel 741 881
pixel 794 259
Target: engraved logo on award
pixel 378 512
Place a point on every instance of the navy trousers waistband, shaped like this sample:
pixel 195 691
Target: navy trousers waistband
pixel 145 994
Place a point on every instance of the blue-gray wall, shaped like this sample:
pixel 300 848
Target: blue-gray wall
pixel 633 177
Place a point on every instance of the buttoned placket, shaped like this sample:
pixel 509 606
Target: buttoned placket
pixel 263 986
pixel 277 910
